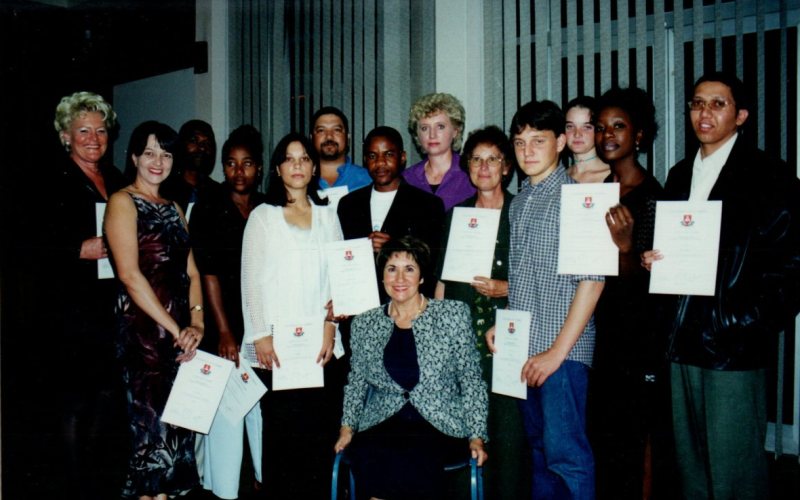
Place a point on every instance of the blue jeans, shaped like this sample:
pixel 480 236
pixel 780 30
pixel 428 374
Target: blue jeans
pixel 554 416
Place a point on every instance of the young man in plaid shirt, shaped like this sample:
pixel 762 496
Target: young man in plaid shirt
pixel 561 306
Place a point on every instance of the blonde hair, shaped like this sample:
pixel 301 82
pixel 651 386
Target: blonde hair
pixel 73 106
pixel 431 104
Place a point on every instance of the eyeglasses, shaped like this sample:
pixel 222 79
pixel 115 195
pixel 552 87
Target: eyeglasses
pixel 713 104
pixel 492 161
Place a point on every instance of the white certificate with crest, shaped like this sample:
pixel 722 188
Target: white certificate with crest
pixel 511 337
pixel 334 194
pixel 470 245
pixel 351 270
pixel 197 391
pixel 585 245
pixel 104 269
pixel 687 235
pixel 242 393
pixel 297 345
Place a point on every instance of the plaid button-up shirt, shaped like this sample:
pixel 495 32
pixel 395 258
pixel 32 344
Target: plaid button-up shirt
pixel 534 283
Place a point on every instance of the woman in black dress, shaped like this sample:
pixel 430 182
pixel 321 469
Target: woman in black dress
pixel 161 315
pixel 626 392
pixel 79 303
pixel 217 225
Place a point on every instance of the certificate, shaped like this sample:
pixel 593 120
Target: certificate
pixel 511 336
pixel 687 235
pixel 104 269
pixel 334 194
pixel 197 391
pixel 297 345
pixel 242 393
pixel 470 245
pixel 351 269
pixel 584 244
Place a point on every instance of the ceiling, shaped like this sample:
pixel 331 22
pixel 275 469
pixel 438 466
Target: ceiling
pixel 110 41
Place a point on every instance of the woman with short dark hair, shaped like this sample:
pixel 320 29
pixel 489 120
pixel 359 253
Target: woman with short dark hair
pixel 415 390
pixel 488 158
pixel 626 391
pixel 218 223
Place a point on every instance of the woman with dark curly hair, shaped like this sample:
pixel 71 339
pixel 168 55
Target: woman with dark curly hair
pixel 415 395
pixel 625 408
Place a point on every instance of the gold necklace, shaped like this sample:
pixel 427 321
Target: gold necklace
pixel 419 311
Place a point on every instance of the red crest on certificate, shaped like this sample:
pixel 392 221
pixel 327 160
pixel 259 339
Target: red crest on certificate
pixel 298 332
pixel 245 377
pixel 511 328
pixel 348 255
pixel 206 369
pixel 473 222
pixel 587 202
pixel 687 220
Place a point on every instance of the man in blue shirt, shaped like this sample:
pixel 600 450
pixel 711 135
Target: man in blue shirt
pixel 561 307
pixel 331 137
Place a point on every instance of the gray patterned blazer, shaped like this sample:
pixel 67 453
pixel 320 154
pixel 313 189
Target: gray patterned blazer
pixel 451 394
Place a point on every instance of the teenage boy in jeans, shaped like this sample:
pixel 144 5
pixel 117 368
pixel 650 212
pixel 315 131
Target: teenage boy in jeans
pixel 561 306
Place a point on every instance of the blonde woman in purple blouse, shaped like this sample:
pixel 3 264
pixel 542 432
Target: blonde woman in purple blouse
pixel 436 122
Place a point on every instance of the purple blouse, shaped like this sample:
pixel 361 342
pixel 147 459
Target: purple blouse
pixel 455 187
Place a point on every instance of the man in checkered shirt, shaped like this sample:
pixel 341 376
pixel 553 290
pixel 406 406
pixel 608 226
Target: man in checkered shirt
pixel 561 307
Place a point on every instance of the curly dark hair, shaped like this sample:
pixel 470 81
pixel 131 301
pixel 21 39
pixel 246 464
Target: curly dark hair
pixel 638 105
pixel 414 247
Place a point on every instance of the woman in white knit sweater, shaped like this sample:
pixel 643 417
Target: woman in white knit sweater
pixel 284 279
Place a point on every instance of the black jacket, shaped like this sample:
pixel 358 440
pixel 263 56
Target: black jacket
pixel 414 212
pixel 758 272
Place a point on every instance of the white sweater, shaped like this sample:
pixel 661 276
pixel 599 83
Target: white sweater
pixel 284 271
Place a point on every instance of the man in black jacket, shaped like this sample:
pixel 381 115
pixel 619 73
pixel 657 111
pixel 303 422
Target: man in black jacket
pixel 390 207
pixel 720 346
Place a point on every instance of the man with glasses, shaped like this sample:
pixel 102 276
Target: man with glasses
pixel 721 346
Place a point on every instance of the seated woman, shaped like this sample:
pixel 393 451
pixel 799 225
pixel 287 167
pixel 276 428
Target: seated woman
pixel 488 157
pixel 415 389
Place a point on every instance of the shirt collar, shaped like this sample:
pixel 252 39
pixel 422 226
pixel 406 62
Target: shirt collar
pixel 718 158
pixel 550 183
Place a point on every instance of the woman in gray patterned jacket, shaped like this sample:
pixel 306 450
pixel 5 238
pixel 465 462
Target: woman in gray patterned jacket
pixel 415 389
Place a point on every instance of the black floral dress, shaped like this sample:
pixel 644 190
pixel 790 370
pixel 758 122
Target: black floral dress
pixel 163 455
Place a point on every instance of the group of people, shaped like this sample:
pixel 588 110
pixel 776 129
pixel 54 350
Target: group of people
pixel 408 384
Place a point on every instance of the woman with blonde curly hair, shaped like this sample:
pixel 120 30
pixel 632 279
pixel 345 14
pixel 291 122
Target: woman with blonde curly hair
pixel 436 122
pixel 80 306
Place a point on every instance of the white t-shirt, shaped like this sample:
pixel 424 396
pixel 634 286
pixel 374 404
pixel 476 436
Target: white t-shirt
pixel 379 205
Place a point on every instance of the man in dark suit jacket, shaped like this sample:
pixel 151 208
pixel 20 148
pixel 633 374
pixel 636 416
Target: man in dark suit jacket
pixel 390 207
pixel 721 346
